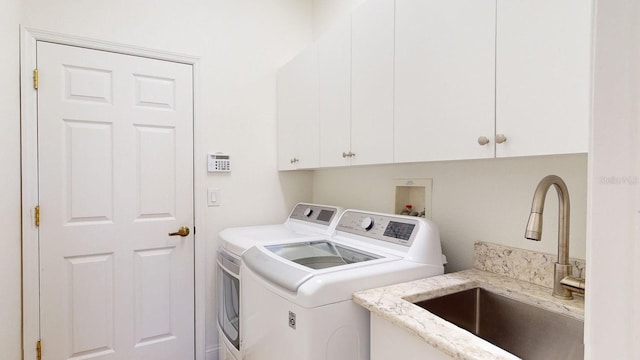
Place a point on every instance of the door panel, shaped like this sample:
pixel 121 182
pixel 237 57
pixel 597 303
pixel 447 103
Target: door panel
pixel 334 95
pixel 115 149
pixel 156 148
pixel 87 84
pixel 89 178
pixel 444 79
pixel 155 281
pixel 298 125
pixel 92 299
pixel 372 43
pixel 543 90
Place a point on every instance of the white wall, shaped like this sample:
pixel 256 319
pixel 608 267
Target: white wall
pixel 241 44
pixel 480 200
pixel 10 300
pixel 613 250
pixel 326 11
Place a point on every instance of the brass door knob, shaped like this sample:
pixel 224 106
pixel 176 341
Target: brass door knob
pixel 183 231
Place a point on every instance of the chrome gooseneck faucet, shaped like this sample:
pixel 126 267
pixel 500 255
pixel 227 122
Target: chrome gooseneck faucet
pixel 563 282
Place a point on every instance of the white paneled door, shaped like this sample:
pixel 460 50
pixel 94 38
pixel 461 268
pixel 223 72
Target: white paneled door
pixel 115 162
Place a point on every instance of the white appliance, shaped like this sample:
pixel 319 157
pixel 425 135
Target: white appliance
pixel 296 300
pixel 304 221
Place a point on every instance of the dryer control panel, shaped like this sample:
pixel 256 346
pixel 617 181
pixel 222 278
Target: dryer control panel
pixel 395 229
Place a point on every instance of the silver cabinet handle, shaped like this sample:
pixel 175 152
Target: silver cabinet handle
pixel 483 140
pixel 500 138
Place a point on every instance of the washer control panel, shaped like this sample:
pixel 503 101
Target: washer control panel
pixel 394 229
pixel 314 213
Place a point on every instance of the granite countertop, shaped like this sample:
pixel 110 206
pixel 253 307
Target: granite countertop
pixel 395 304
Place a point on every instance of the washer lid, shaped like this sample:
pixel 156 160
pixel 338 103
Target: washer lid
pixel 320 254
pixel 276 271
pixel 271 262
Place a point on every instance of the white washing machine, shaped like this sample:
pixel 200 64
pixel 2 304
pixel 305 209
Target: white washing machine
pixel 304 221
pixel 297 294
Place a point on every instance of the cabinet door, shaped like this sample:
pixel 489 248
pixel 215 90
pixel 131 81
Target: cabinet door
pixel 334 54
pixel 298 131
pixel 444 79
pixel 543 76
pixel 372 82
pixel 389 341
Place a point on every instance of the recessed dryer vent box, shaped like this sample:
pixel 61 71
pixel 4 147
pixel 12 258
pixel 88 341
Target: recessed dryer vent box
pixel 414 192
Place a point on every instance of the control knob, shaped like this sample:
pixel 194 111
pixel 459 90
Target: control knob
pixel 367 223
pixel 308 212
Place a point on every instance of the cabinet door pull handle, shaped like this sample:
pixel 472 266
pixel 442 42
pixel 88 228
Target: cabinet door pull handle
pixel 483 140
pixel 500 138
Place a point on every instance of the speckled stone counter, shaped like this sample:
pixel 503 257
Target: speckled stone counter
pixel 534 267
pixel 395 304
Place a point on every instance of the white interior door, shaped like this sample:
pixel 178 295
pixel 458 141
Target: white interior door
pixel 115 148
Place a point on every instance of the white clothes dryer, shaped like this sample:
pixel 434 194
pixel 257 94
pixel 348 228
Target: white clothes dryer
pixel 304 221
pixel 297 294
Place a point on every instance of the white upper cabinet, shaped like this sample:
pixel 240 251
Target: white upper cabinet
pixel 543 76
pixel 298 128
pixel 372 82
pixel 334 54
pixel 444 79
pixel 431 80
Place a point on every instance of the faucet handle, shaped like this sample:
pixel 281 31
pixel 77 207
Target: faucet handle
pixel 573 284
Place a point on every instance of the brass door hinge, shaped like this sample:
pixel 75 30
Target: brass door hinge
pixel 35 79
pixel 37 213
pixel 39 350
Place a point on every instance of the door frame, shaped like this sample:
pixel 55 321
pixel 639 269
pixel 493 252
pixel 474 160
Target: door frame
pixel 29 179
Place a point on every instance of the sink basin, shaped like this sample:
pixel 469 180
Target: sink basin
pixel 527 331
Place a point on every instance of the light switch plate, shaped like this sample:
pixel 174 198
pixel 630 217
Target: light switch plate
pixel 213 197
